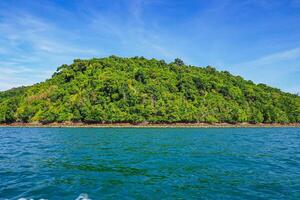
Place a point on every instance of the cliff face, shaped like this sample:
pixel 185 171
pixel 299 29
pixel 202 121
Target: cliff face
pixel 133 90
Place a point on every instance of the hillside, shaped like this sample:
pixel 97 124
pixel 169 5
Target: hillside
pixel 136 90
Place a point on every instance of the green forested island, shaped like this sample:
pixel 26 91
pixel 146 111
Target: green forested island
pixel 135 90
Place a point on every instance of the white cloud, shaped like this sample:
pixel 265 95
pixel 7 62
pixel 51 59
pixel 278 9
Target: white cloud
pixel 32 48
pixel 132 32
pixel 274 58
pixel 278 69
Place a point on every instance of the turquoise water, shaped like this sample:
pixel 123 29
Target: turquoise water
pixel 112 163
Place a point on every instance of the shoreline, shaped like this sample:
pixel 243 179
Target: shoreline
pixel 148 125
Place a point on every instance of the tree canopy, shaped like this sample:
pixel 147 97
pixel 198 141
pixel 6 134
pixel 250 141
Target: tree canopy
pixel 134 90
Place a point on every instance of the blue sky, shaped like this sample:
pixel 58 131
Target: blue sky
pixel 257 39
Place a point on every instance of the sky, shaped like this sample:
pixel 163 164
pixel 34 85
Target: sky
pixel 256 39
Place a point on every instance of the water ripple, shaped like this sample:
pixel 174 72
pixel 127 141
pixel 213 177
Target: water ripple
pixel 107 163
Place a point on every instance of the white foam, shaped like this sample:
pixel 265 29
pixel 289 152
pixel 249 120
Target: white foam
pixel 29 199
pixel 83 196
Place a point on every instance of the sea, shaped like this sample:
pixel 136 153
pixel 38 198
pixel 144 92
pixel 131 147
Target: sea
pixel 149 163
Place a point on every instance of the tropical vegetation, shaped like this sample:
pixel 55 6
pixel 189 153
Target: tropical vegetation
pixel 115 89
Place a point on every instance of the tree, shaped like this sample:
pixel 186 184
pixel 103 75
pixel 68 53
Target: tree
pixel 178 62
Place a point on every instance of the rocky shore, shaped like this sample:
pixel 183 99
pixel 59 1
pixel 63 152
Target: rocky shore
pixel 150 125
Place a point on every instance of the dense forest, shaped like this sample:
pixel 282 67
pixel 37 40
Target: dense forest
pixel 135 90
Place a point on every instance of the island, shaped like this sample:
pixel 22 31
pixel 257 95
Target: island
pixel 117 91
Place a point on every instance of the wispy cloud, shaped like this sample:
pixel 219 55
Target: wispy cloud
pixel 33 47
pixel 37 36
pixel 39 44
pixel 274 58
pixel 279 69
pixel 14 77
pixel 133 34
pixel 40 35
